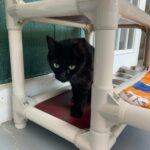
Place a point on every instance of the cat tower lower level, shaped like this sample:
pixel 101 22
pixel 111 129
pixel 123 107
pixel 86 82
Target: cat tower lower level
pixel 109 113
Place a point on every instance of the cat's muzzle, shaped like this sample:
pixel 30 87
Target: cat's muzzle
pixel 63 77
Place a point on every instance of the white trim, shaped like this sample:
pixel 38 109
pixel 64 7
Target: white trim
pixel 34 86
pixel 122 52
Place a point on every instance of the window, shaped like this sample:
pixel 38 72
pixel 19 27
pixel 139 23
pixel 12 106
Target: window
pixel 125 36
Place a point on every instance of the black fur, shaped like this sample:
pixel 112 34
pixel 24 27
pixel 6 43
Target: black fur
pixel 72 60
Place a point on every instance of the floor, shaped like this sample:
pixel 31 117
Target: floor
pixel 34 137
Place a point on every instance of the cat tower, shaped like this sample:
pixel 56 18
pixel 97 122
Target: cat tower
pixel 109 112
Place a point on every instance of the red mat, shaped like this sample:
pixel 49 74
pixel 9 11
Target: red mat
pixel 59 106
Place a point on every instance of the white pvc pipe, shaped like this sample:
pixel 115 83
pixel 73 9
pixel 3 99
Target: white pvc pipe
pixel 17 65
pixel 17 72
pixel 59 22
pixel 119 111
pixel 105 24
pixel 103 56
pixel 130 12
pixel 83 139
pixel 10 21
pixel 135 116
pixel 57 126
pixel 45 8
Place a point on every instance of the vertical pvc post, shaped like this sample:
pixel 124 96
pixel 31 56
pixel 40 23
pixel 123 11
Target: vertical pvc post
pixel 105 25
pixel 17 67
pixel 147 50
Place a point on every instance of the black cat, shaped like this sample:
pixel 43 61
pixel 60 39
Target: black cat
pixel 72 60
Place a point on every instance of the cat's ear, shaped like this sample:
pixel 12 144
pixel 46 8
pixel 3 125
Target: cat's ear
pixel 50 42
pixel 81 46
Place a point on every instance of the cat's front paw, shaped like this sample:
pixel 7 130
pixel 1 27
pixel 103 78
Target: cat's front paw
pixel 76 112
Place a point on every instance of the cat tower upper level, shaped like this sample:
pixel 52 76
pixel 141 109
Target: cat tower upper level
pixel 62 9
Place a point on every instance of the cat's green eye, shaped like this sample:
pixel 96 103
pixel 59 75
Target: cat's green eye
pixel 72 67
pixel 55 65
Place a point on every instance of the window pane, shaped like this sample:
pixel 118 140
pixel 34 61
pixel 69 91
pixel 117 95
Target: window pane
pixel 130 39
pixel 117 38
pixel 122 42
pixel 135 2
pixel 125 36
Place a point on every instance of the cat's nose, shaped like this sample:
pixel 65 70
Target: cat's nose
pixel 63 77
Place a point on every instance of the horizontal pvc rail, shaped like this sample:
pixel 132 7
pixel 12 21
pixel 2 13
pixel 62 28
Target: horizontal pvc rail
pixel 59 22
pixel 52 123
pixel 125 113
pixel 129 11
pixel 83 139
pixel 135 116
pixel 45 8
pixel 132 26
